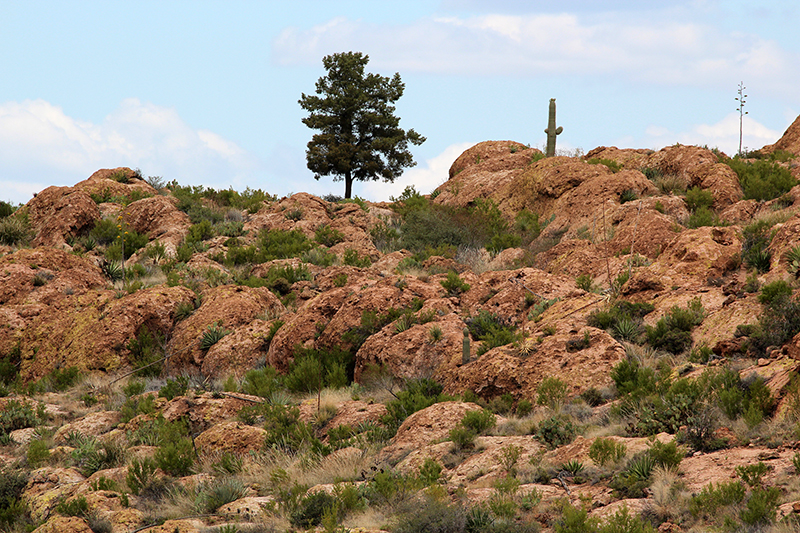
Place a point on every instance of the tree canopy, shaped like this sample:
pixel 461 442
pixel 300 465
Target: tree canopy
pixel 360 137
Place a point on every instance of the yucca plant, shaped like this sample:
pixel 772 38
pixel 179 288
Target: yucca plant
pixel 793 259
pixel 573 466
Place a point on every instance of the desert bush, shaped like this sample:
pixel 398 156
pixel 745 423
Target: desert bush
pixel 310 509
pixel 556 431
pixel 612 165
pixel 605 450
pixel 261 382
pixel 220 492
pixel 551 392
pixel 762 180
pixel 491 329
pixel 176 457
pixel 75 507
pixel 14 231
pixel 416 395
pixel 328 236
pixel 697 198
pixel 285 430
pixel 200 232
pixel 351 257
pixel 623 320
pixel 90 455
pixel 146 349
pixel 312 369
pixel 428 514
pixel 779 321
pixel 18 415
pixel 12 510
pixel 174 387
pixel 280 244
pixel 454 285
pixel 756 239
pixel 140 474
pixel 673 331
pixel 479 421
pixel 38 453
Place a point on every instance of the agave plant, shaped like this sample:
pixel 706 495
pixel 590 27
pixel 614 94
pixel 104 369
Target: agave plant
pixel 211 336
pixel 793 259
pixel 573 466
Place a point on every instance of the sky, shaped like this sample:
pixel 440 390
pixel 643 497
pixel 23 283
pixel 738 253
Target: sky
pixel 206 92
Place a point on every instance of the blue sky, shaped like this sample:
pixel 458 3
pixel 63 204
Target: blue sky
pixel 206 93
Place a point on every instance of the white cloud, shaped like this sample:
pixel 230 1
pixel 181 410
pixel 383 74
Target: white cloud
pixel 723 135
pixel 662 47
pixel 424 178
pixel 40 145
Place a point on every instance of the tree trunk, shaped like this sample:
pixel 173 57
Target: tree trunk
pixel 348 185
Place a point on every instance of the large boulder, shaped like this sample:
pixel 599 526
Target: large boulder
pixel 228 307
pixel 159 219
pixel 519 370
pixel 789 141
pixel 92 331
pixel 58 213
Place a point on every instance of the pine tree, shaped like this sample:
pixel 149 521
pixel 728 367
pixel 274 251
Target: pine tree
pixel 360 137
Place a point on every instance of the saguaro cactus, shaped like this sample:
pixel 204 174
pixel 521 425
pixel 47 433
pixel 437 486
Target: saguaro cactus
pixel 551 130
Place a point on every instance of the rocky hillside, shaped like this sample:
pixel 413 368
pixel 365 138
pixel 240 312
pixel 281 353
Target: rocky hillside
pixel 597 343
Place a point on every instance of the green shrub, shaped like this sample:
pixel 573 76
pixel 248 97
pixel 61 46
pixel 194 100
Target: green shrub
pixel 761 507
pixel 38 453
pixel 431 514
pixel 632 378
pixel 551 392
pixel 622 319
pixel 556 431
pixel 314 368
pixel 454 285
pixel 174 387
pixel 756 238
pixel 479 421
pixel 219 493
pixel 176 457
pixel 14 230
pixel 140 474
pixel 281 244
pixel 263 382
pixel 605 450
pixel 199 232
pixel 762 180
pixel 12 509
pixel 491 329
pixel 328 236
pixel 90 455
pixel 351 257
pixel 147 348
pixel 697 198
pixel 74 507
pixel 18 415
pixel 416 395
pixel 463 438
pixel 60 380
pixel 612 165
pixel 5 209
pixel 285 430
pixel 673 331
pixel 701 217
pixel 773 293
